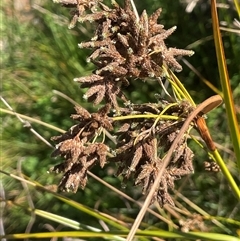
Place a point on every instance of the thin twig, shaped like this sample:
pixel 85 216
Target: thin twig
pixel 25 123
pixel 29 199
pixel 64 96
pixel 24 117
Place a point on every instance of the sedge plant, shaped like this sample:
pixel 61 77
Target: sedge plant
pixel 147 142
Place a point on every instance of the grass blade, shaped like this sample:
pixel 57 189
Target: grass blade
pixel 225 82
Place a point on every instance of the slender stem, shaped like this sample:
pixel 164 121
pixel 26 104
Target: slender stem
pixel 226 84
pixel 167 117
pixel 32 120
pixel 226 173
pixel 66 97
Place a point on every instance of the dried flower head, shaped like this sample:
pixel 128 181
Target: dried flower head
pixel 79 153
pixel 125 46
pixel 142 143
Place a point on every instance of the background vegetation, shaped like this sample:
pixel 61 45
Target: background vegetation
pixel 39 60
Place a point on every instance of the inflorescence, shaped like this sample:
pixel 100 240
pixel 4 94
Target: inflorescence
pixel 125 48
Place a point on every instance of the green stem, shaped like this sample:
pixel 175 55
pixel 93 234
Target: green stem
pixel 226 173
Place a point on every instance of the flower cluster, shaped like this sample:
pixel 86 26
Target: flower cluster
pixel 142 143
pixel 126 47
pixel 76 148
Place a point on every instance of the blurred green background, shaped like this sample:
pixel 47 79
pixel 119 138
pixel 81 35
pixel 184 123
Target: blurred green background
pixel 40 55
